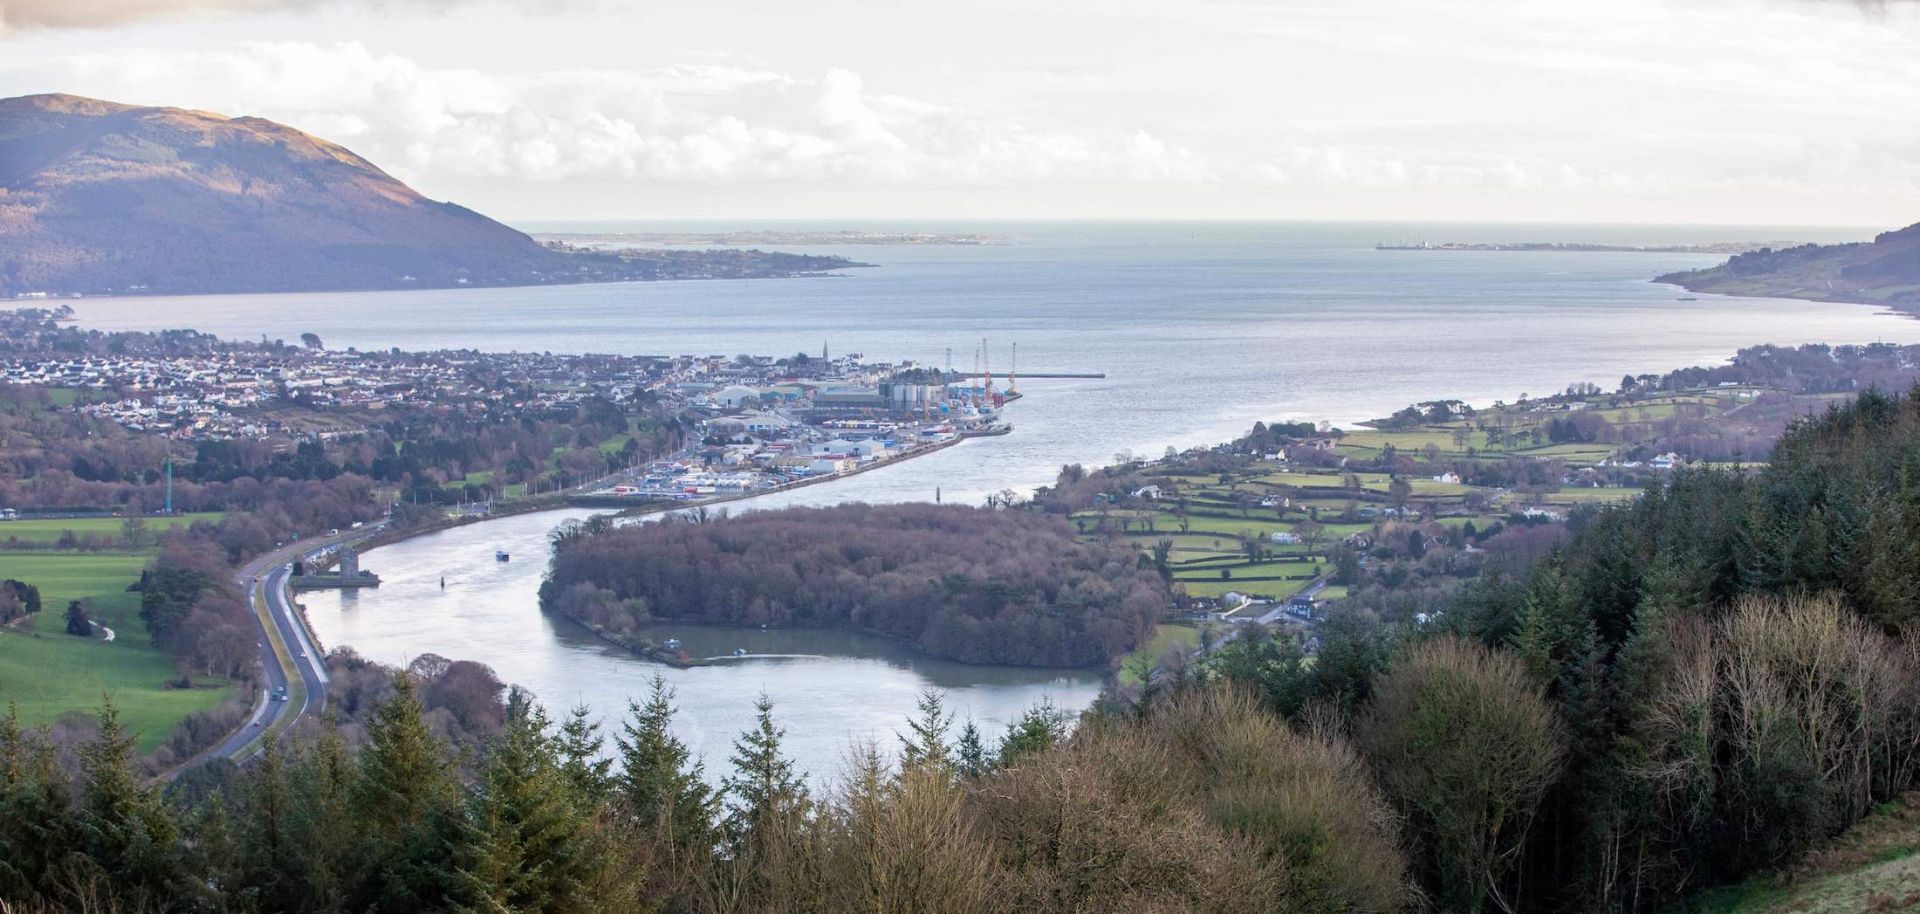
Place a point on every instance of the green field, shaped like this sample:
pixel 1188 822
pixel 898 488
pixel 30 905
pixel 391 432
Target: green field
pixel 484 477
pixel 48 672
pixel 45 531
pixel 1167 636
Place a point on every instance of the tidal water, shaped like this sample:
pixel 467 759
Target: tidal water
pixel 1201 329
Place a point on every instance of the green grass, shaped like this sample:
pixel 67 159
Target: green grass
pixel 480 478
pixel 1873 867
pixel 1167 636
pixel 48 672
pixel 47 530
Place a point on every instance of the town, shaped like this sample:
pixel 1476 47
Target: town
pixel 747 423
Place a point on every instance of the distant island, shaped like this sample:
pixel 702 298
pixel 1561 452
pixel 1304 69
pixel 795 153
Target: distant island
pixel 1885 271
pixel 1718 247
pixel 791 238
pixel 100 198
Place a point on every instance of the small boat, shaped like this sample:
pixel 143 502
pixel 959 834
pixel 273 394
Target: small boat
pixel 500 555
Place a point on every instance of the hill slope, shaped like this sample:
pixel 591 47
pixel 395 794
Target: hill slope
pixel 1885 271
pixel 98 197
pixel 1873 867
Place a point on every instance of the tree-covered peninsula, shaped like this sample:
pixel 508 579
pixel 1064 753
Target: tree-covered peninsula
pixel 978 585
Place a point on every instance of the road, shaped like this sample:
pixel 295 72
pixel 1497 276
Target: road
pixel 289 658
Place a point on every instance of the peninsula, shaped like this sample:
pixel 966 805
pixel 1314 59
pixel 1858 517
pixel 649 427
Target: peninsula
pixel 1885 271
pixel 100 198
pixel 1575 247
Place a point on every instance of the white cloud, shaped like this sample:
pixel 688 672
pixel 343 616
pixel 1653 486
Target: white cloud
pixel 1661 109
pixel 704 123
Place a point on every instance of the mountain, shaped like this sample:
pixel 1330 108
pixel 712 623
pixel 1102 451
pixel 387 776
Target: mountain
pixel 98 197
pixel 1885 271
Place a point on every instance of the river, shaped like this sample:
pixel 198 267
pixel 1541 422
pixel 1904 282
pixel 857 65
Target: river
pixel 850 687
pixel 1201 329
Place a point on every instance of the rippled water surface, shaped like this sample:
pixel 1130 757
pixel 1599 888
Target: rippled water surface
pixel 1200 329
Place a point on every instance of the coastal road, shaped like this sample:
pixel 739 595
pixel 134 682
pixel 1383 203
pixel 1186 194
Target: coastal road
pixel 289 657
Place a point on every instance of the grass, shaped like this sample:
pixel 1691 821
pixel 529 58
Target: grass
pixel 45 531
pixel 480 478
pixel 1168 636
pixel 49 673
pixel 1873 867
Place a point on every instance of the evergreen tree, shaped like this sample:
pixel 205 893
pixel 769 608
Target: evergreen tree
pixel 267 862
pixel 925 742
pixel 36 813
pixel 659 785
pixel 404 800
pixel 125 828
pixel 970 754
pixel 579 744
pixel 78 622
pixel 764 787
pixel 1035 732
pixel 529 842
pixel 213 851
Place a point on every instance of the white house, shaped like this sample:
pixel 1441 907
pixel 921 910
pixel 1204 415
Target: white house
pixel 1148 492
pixel 1285 539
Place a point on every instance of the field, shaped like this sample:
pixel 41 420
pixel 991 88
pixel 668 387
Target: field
pixel 45 531
pixel 47 672
pixel 1167 637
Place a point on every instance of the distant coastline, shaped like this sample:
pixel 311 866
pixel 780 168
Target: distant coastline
pixel 613 240
pixel 1566 247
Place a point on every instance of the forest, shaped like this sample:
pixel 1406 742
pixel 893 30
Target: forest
pixel 978 585
pixel 1692 689
pixel 1733 654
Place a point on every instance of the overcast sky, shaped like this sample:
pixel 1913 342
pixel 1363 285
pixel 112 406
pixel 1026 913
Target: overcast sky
pixel 1725 111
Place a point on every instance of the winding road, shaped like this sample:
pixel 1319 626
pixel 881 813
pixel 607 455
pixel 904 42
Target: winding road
pixel 295 682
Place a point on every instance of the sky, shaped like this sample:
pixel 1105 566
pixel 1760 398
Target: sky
pixel 1772 112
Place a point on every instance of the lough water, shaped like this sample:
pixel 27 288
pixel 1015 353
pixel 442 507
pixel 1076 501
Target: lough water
pixel 1201 330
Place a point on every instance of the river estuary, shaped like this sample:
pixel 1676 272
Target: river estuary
pixel 1200 328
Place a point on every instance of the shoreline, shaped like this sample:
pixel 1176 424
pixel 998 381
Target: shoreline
pixel 647 650
pixel 390 537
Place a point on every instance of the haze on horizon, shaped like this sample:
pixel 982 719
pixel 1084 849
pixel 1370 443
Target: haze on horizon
pixel 1686 111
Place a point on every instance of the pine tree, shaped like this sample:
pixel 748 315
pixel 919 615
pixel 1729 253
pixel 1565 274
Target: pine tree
pixel 124 827
pixel 36 812
pixel 322 830
pixel 404 801
pixel 213 850
pixel 659 786
pixel 579 744
pixel 1035 732
pixel 404 772
pixel 270 803
pixel 528 842
pixel 764 787
pixel 970 755
pixel 925 742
